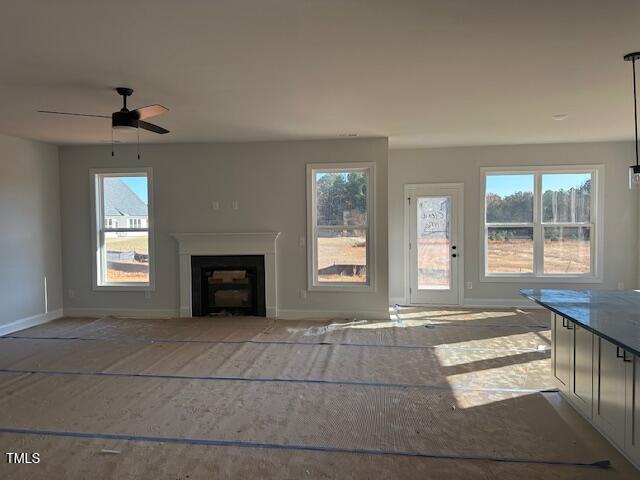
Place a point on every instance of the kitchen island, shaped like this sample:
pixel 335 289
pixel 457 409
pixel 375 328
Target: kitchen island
pixel 595 358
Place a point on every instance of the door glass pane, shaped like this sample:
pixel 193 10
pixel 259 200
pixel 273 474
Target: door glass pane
pixel 433 243
pixel 127 257
pixel 342 256
pixel 567 250
pixel 566 198
pixel 510 250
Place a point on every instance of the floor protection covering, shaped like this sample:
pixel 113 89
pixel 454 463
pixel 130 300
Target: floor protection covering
pixel 305 399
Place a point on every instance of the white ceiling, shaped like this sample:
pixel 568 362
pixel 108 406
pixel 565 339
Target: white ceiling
pixel 423 72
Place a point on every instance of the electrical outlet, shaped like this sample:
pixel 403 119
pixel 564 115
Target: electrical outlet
pixel 72 293
pixel 215 205
pixel 620 285
pixel 469 285
pixel 303 294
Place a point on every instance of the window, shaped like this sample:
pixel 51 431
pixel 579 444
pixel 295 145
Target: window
pixel 122 218
pixel 340 215
pixel 541 223
pixel 134 222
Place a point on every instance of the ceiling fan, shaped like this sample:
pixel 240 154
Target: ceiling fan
pixel 126 119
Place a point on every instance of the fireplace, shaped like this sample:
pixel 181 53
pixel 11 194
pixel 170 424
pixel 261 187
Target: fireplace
pixel 226 244
pixel 228 285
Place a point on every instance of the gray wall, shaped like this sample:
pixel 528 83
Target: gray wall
pixel 269 181
pixel 30 248
pixel 463 165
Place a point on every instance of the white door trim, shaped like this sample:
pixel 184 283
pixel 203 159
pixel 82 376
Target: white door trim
pixel 411 189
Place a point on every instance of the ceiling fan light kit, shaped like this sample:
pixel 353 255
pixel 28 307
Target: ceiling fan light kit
pixel 126 119
pixel 634 170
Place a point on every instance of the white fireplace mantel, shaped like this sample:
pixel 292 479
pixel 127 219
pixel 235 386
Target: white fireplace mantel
pixel 245 243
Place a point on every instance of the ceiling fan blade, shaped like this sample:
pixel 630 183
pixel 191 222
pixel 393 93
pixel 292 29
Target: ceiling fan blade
pixel 75 114
pixel 151 127
pixel 149 111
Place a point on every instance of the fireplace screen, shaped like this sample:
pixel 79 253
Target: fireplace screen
pixel 229 289
pixel 228 285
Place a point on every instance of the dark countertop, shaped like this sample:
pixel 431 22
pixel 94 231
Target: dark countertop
pixel 611 314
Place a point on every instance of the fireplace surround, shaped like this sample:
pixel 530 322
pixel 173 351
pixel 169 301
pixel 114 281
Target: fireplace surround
pixel 227 244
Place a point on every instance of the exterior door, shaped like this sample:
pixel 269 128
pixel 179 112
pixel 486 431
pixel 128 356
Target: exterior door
pixel 435 261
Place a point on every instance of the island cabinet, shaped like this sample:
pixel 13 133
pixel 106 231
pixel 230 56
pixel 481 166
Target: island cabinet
pixel 560 352
pixel 601 380
pixel 581 380
pixel 572 362
pixel 595 358
pixel 610 377
pixel 632 440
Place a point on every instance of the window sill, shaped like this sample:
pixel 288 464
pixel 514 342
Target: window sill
pixel 345 288
pixel 125 288
pixel 536 279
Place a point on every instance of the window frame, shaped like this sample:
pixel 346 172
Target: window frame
pixel 98 229
pixel 312 228
pixel 538 275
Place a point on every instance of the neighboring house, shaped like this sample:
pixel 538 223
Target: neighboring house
pixel 122 207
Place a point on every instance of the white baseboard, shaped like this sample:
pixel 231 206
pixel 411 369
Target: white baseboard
pixel 285 314
pixel 397 300
pixel 30 322
pixel 121 312
pixel 169 313
pixel 500 303
pixel 480 303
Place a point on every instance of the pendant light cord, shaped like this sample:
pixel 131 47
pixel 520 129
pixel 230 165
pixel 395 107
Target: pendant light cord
pixel 635 106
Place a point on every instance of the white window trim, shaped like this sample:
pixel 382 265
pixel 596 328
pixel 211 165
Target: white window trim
pixel 312 258
pixel 96 227
pixel 597 209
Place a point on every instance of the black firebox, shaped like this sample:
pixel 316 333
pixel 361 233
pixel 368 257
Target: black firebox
pixel 228 285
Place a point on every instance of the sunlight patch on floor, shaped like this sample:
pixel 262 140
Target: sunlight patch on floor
pixel 447 315
pixel 468 399
pixel 516 341
pixel 446 359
